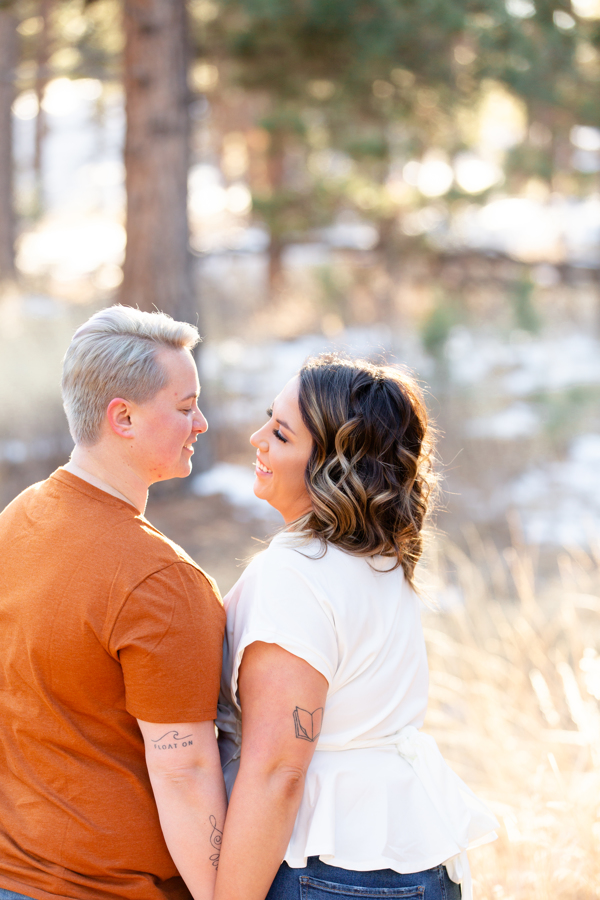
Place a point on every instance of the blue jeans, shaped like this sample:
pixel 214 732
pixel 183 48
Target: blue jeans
pixel 318 881
pixel 10 895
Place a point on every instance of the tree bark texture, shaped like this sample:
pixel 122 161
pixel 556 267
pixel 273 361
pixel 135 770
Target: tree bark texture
pixel 276 244
pixel 8 61
pixel 156 273
pixel 41 80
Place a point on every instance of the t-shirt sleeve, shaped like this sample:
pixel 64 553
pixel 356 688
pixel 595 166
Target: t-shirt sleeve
pixel 285 606
pixel 169 640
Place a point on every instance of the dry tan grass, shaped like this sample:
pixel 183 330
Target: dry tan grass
pixel 515 685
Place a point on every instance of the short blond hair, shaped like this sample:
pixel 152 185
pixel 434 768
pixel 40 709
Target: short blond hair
pixel 115 354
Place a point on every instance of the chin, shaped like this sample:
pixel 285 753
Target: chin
pixel 182 471
pixel 260 493
pixel 185 466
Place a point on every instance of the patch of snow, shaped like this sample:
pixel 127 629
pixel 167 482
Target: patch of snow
pixel 525 364
pixel 235 483
pixel 551 365
pixel 517 421
pixel 472 358
pixel 254 239
pixel 559 229
pixel 559 502
pixel 300 256
pixel 350 235
pixel 585 450
pixel 250 375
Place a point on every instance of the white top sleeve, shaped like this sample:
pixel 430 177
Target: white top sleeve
pixel 286 608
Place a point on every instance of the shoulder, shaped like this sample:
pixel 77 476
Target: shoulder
pixel 318 560
pixel 113 536
pixel 287 554
pixel 157 545
pixel 314 559
pixel 162 556
pixel 27 497
pixel 291 571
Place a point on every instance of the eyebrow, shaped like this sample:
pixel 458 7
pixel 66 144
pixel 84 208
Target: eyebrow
pixel 279 421
pixel 285 425
pixel 193 396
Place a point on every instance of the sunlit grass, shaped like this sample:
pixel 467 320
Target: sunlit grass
pixel 515 684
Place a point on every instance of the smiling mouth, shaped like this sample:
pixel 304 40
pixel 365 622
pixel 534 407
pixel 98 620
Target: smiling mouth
pixel 261 468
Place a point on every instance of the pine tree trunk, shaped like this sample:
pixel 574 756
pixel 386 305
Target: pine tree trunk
pixel 8 61
pixel 41 80
pixel 275 276
pixel 276 243
pixel 156 273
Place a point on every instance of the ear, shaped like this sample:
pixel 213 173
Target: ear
pixel 118 414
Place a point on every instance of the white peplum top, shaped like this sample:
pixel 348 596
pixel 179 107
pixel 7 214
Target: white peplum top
pixel 378 794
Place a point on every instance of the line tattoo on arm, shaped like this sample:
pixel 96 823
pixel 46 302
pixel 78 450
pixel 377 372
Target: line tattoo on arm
pixel 308 724
pixel 216 839
pixel 171 740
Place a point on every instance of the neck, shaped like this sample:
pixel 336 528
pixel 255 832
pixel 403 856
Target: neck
pixel 94 465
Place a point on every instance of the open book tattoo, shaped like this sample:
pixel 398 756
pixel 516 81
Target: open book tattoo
pixel 308 724
pixel 215 841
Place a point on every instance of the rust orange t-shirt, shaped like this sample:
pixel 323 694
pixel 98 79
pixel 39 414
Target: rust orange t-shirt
pixel 103 621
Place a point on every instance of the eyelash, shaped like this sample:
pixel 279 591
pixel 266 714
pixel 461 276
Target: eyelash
pixel 276 431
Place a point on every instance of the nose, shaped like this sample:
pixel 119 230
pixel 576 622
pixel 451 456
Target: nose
pixel 259 442
pixel 200 425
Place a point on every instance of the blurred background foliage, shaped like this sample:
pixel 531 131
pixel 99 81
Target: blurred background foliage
pixel 381 110
pixel 418 180
pixel 413 181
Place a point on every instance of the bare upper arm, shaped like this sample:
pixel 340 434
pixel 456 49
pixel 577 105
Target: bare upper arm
pixel 282 699
pixel 179 745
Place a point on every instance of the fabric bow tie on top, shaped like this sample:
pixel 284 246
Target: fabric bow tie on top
pixel 467 820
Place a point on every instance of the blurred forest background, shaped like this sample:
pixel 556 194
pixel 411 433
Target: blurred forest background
pixel 413 181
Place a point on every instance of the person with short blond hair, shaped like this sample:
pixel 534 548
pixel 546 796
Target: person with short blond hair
pixel 116 352
pixel 110 641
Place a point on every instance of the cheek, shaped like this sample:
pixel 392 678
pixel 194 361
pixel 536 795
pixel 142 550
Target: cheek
pixel 300 471
pixel 168 432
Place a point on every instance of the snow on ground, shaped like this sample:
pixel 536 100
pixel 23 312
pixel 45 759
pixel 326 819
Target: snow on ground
pixel 246 377
pixel 559 502
pixel 235 483
pixel 557 230
pixel 81 233
pixel 516 421
pixel 83 178
pixel 524 364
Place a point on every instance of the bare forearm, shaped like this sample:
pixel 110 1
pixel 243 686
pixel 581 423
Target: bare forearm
pixel 260 820
pixel 191 808
pixel 275 687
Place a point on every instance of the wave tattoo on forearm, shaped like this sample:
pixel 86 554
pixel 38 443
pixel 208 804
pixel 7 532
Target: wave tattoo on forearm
pixel 173 742
pixel 216 840
pixel 308 724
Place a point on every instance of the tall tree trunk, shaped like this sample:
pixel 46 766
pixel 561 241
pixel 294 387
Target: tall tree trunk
pixel 156 273
pixel 41 80
pixel 276 244
pixel 275 270
pixel 8 61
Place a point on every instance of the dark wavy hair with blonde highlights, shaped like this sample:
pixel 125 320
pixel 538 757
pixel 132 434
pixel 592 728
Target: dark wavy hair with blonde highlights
pixel 370 474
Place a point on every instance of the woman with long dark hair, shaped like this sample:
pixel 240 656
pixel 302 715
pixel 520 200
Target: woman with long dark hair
pixel 325 677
